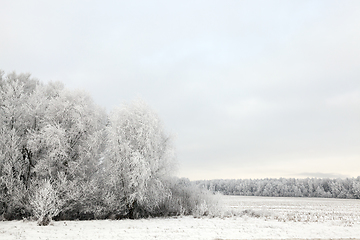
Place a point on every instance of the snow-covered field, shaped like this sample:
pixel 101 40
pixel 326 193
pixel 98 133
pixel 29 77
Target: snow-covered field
pixel 265 218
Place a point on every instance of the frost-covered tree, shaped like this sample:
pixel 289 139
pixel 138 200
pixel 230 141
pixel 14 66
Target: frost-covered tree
pixel 69 144
pixel 139 158
pixel 71 136
pixel 62 156
pixel 356 188
pixel 15 158
pixel 46 131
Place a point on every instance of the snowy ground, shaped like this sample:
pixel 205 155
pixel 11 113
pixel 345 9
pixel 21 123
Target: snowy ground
pixel 271 218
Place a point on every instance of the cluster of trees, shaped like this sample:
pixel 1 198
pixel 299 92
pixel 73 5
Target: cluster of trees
pixel 309 187
pixel 63 157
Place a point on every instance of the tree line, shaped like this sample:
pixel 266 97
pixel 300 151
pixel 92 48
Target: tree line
pixel 64 157
pixel 285 187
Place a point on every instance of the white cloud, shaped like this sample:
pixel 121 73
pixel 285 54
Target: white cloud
pixel 249 108
pixel 348 99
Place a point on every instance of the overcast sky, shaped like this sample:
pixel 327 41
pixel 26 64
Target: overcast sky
pixel 249 89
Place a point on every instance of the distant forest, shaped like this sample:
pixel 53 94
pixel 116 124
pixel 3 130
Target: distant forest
pixel 285 187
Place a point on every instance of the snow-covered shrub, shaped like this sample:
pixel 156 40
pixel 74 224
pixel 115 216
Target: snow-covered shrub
pixel 45 203
pixel 209 205
pixel 188 199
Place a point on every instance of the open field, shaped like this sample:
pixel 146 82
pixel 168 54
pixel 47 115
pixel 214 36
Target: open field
pixel 337 211
pixel 264 218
